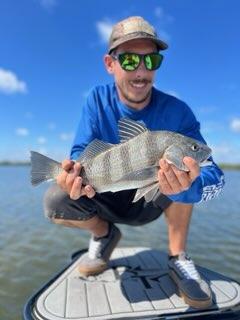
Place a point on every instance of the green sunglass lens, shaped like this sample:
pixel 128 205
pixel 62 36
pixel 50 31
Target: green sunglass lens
pixel 153 61
pixel 129 62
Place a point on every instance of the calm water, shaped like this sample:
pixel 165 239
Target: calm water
pixel 32 249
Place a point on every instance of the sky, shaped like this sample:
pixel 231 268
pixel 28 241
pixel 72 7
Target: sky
pixel 51 56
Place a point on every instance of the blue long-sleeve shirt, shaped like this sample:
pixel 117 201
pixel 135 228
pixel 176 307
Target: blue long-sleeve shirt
pixel 99 119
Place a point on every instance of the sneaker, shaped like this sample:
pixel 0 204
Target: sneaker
pixel 96 259
pixel 193 289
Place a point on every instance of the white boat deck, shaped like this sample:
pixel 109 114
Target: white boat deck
pixel 136 286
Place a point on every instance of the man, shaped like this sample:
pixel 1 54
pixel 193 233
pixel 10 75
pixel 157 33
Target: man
pixel 133 57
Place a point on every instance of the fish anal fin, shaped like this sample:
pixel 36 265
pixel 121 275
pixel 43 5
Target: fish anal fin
pixel 147 192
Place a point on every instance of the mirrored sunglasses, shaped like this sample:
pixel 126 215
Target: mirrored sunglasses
pixel 131 61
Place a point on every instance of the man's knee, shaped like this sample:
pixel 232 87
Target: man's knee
pixel 54 201
pixel 58 205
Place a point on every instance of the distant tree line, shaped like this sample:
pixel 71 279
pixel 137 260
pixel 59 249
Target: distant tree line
pixel 14 163
pixel 229 166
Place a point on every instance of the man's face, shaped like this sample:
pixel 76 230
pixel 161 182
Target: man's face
pixel 134 87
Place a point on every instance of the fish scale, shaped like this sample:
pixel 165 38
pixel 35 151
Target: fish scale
pixel 118 177
pixel 132 164
pixel 126 160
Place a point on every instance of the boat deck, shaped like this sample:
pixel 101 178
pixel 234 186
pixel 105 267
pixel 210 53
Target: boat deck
pixel 136 286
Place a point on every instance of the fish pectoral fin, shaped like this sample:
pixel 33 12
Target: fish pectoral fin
pixel 147 192
pixel 129 129
pixel 93 149
pixel 149 174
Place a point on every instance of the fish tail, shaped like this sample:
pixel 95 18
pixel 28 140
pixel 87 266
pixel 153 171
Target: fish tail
pixel 43 168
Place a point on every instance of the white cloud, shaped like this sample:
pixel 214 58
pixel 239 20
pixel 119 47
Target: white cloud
pixel 66 136
pixel 225 152
pixel 29 115
pixel 104 29
pixel 48 4
pixel 207 109
pixel 41 140
pixel 160 13
pixel 51 126
pixel 9 83
pixel 22 132
pixel 163 35
pixel 212 127
pixel 221 149
pixel 163 19
pixel 235 125
pixel 42 150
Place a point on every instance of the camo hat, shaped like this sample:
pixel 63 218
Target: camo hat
pixel 133 28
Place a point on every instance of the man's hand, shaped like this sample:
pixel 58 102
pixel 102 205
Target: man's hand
pixel 70 181
pixel 172 180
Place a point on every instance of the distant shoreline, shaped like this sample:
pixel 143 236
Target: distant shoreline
pixel 14 163
pixel 229 166
pixel 224 166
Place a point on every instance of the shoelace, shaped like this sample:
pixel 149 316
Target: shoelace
pixel 188 269
pixel 94 249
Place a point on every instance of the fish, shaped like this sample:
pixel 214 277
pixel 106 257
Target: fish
pixel 131 164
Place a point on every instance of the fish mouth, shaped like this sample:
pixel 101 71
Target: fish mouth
pixel 205 163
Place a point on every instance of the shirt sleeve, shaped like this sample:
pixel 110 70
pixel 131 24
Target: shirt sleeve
pixel 211 179
pixel 87 127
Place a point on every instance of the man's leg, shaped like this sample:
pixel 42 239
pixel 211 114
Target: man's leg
pixel 95 225
pixel 195 291
pixel 178 216
pixel 83 214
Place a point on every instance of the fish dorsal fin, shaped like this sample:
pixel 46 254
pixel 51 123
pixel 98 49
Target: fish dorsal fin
pixel 93 149
pixel 129 129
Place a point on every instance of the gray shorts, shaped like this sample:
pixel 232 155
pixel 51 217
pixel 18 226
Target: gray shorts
pixel 115 207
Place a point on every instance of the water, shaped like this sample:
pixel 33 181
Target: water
pixel 32 249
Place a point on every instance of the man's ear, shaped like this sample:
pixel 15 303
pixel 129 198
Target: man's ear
pixel 109 63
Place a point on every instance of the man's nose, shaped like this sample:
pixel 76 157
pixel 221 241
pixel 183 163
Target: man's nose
pixel 141 68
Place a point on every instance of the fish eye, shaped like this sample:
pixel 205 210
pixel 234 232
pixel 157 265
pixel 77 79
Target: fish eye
pixel 195 147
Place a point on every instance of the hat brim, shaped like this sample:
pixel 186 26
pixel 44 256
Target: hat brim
pixel 161 45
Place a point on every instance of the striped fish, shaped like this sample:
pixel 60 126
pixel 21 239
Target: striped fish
pixel 131 164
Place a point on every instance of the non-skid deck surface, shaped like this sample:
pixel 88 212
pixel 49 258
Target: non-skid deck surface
pixel 136 286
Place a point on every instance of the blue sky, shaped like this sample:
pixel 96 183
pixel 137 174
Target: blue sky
pixel 51 56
